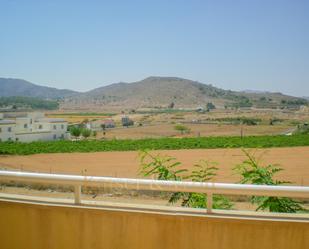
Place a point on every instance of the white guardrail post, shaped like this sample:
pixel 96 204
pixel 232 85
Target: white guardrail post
pixel 209 202
pixel 77 194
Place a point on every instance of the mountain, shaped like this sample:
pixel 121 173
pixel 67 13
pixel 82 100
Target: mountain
pixel 160 92
pixel 254 91
pixel 17 87
pixel 152 92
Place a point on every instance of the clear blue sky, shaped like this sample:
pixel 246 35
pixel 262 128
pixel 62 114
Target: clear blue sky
pixel 249 44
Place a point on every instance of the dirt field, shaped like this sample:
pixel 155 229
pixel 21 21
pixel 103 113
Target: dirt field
pixel 295 161
pixel 76 118
pixel 168 130
pixel 155 125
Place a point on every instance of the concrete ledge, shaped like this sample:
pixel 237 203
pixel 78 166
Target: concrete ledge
pixel 146 208
pixel 37 226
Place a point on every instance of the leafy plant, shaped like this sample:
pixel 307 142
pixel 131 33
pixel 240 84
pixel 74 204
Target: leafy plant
pixel 203 171
pixel 75 131
pixel 302 129
pixel 252 172
pixel 165 168
pixel 86 133
pixel 210 106
pixel 249 121
pixel 183 129
pixel 160 167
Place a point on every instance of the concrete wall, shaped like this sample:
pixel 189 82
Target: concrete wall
pixel 5 134
pixel 23 125
pixel 34 136
pixel 34 226
pixel 41 136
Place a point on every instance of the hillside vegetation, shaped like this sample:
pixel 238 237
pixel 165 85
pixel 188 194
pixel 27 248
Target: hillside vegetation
pixel 28 103
pixel 163 92
pixel 7 148
pixel 18 87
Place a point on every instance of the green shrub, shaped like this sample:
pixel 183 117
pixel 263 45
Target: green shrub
pixel 167 168
pixel 249 121
pixel 183 129
pixel 75 131
pixel 161 167
pixel 210 106
pixel 86 133
pixel 302 129
pixel 204 171
pixel 237 120
pixel 252 172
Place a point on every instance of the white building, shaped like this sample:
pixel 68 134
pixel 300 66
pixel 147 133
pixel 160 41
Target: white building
pixel 32 127
pixel 98 125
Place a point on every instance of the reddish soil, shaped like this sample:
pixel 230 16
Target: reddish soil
pixel 295 162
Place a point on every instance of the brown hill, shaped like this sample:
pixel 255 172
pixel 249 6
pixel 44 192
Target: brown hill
pixel 160 92
pixel 18 87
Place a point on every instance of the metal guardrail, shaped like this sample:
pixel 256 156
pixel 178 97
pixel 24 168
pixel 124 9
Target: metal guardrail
pixel 158 185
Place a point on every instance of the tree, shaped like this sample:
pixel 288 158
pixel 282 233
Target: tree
pixel 302 129
pixel 249 121
pixel 210 106
pixel 252 172
pixel 103 126
pixel 86 133
pixel 84 123
pixel 183 129
pixel 75 131
pixel 171 105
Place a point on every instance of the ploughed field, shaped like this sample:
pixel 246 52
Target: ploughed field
pixel 168 130
pixel 294 161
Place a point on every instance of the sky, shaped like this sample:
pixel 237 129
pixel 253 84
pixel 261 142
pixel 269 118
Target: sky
pixel 232 44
